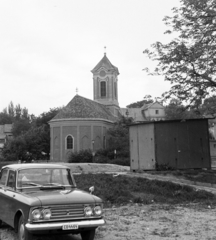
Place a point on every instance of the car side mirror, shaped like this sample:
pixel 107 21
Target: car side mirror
pixel 91 189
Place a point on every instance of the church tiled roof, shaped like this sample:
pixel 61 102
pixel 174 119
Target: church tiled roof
pixel 105 62
pixel 80 107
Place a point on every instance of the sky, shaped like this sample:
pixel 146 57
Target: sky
pixel 49 47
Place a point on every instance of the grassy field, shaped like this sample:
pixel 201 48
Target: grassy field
pixel 122 190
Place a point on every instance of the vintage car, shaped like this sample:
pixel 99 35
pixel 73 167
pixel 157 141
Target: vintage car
pixel 44 199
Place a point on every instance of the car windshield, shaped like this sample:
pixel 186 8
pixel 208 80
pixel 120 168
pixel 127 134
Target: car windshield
pixel 44 177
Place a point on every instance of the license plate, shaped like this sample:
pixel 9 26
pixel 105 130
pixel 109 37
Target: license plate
pixel 69 226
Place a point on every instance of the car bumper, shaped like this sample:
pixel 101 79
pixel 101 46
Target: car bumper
pixel 33 227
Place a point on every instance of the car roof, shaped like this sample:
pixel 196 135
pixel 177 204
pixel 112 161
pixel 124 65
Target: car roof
pixel 34 165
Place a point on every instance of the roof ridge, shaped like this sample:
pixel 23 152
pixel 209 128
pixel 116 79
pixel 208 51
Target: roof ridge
pixel 81 107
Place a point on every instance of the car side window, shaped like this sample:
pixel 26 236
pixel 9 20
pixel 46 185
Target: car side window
pixel 3 176
pixel 11 179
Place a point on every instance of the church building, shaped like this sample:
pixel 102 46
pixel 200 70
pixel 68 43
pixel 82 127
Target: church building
pixel 83 123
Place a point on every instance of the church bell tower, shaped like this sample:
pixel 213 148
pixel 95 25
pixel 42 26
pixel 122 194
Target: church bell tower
pixel 105 84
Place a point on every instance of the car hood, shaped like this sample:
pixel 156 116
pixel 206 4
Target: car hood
pixel 52 197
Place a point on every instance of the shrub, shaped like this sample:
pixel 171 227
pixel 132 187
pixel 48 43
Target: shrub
pixel 121 161
pixel 82 156
pixel 107 156
pixel 117 161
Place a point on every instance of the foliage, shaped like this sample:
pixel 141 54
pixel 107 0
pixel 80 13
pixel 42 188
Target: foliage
pixel 5 118
pixel 101 156
pixel 83 156
pixel 118 137
pixel 123 189
pixel 176 110
pixel 146 100
pixel 33 144
pixel 14 149
pixel 121 161
pixel 188 61
pixel 106 156
pixel 20 126
pixel 45 117
pixel 209 106
pixel 31 135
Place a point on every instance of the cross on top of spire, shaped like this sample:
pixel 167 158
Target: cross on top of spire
pixel 105 50
pixel 77 91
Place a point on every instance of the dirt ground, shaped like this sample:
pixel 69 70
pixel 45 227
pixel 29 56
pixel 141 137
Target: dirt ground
pixel 136 222
pixel 151 222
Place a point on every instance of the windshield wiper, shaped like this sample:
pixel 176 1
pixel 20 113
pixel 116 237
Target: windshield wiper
pixel 31 184
pixel 52 186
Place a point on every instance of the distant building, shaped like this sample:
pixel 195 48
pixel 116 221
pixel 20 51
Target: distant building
pixel 5 134
pixel 149 112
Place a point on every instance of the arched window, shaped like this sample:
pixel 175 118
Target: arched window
pixel 69 142
pixel 103 88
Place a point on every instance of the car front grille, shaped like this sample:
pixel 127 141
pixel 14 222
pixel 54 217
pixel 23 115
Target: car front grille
pixel 66 212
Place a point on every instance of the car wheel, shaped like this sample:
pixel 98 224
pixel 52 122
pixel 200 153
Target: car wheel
pixel 23 233
pixel 88 235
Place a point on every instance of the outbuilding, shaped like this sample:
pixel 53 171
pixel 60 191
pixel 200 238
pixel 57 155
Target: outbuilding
pixel 173 144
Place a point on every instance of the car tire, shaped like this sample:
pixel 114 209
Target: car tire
pixel 23 233
pixel 88 235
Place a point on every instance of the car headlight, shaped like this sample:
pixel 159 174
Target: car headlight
pixel 47 213
pixel 98 210
pixel 88 211
pixel 36 214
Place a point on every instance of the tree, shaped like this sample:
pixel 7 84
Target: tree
pixel 11 110
pixel 188 62
pixel 31 136
pixel 176 110
pixel 209 106
pixel 5 118
pixel 45 117
pixel 119 137
pixel 146 100
pixel 20 126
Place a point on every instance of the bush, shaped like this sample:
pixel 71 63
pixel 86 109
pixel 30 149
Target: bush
pixel 101 156
pixel 82 156
pixel 121 161
pixel 108 156
pixel 117 161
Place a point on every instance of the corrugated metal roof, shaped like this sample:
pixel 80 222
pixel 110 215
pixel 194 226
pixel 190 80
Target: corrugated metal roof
pixel 80 107
pixel 169 121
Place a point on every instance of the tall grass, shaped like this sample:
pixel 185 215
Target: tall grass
pixel 123 189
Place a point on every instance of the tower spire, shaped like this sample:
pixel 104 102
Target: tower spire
pixel 104 50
